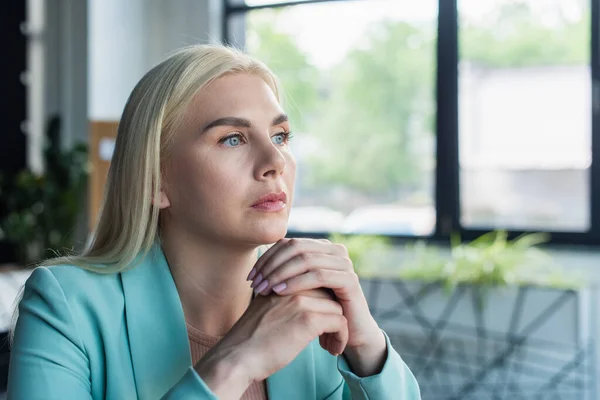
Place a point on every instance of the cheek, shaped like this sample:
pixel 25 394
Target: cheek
pixel 290 171
pixel 185 182
pixel 291 164
pixel 211 181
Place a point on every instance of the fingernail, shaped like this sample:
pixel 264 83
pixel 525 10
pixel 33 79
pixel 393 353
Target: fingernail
pixel 257 281
pixel 280 287
pixel 262 286
pixel 251 274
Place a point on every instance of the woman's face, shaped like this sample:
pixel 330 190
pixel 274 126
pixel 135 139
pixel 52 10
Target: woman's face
pixel 230 152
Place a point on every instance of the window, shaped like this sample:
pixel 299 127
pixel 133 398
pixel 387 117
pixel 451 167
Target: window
pixel 525 114
pixel 476 114
pixel 361 97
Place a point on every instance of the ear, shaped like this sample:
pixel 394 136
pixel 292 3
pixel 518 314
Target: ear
pixel 162 201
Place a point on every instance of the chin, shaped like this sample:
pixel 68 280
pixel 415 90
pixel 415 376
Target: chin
pixel 268 233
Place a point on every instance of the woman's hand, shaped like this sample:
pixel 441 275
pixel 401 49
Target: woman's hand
pixel 268 336
pixel 294 265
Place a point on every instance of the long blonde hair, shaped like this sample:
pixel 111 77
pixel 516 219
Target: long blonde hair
pixel 127 225
pixel 128 222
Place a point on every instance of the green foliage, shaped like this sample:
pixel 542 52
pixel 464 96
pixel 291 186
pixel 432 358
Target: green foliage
pixel 363 250
pixel 491 260
pixel 381 97
pixel 512 36
pixel 42 209
pixel 297 75
pixel 371 112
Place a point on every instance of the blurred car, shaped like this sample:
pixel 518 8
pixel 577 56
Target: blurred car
pixel 391 219
pixel 315 219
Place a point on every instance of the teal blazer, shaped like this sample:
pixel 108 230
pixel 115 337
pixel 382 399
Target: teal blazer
pixel 83 335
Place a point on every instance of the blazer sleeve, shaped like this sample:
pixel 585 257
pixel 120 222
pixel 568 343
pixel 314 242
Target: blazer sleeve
pixel 190 386
pixel 48 360
pixel 395 381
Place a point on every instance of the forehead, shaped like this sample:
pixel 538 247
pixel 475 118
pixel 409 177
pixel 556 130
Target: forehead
pixel 240 95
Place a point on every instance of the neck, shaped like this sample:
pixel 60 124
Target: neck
pixel 210 280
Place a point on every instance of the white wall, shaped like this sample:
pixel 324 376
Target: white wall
pixel 85 56
pixel 56 73
pixel 126 38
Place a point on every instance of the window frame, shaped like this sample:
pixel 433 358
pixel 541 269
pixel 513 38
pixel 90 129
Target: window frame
pixel 447 172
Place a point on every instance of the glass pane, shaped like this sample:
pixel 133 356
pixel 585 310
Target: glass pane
pixel 525 114
pixel 359 81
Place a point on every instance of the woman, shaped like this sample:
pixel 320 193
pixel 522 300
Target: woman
pixel 159 305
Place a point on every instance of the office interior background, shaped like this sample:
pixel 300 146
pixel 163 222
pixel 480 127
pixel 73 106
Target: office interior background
pixel 450 144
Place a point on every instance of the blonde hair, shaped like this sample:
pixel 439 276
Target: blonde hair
pixel 127 225
pixel 128 221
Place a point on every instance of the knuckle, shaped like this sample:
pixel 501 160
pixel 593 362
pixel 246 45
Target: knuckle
pixel 343 320
pixel 342 249
pixel 320 275
pixel 272 300
pixel 304 257
pixel 274 278
pixel 339 308
pixel 293 242
pixel 299 301
pixel 349 263
pixel 307 318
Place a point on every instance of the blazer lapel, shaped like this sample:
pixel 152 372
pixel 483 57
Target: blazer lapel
pixel 158 337
pixel 296 381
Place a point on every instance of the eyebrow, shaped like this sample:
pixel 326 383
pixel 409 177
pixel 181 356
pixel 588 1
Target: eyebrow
pixel 241 122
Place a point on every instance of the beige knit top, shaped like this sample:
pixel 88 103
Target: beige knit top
pixel 200 343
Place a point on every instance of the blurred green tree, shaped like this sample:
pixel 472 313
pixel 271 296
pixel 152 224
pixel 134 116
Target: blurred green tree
pixel 297 75
pixel 372 114
pixel 381 99
pixel 514 35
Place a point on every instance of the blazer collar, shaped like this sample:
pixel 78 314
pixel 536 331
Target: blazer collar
pixel 158 338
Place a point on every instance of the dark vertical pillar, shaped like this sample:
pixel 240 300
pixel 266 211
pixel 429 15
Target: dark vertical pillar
pixel 447 199
pixel 13 149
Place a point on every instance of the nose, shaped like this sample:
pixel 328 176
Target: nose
pixel 271 162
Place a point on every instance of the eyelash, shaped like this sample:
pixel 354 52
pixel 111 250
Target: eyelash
pixel 287 136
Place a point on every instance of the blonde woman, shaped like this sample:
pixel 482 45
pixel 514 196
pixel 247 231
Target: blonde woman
pixel 160 304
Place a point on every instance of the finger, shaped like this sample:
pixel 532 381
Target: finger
pixel 320 293
pixel 336 325
pixel 316 304
pixel 254 273
pixel 343 283
pixel 323 341
pixel 330 343
pixel 333 343
pixel 284 251
pixel 300 264
pixel 270 251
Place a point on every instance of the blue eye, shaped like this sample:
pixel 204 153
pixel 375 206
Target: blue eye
pixel 232 141
pixel 282 138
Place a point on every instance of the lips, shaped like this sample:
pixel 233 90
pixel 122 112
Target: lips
pixel 271 198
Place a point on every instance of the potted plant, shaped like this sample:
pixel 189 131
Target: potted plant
pixel 43 209
pixel 493 318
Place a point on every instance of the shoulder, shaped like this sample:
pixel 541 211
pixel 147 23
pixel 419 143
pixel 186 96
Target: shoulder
pixel 82 294
pixel 74 281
